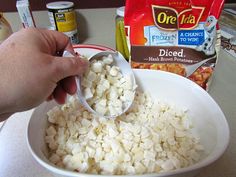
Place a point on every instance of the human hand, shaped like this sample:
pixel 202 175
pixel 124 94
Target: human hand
pixel 31 70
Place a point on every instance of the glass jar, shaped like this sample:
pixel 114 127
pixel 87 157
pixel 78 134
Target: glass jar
pixel 5 28
pixel 121 41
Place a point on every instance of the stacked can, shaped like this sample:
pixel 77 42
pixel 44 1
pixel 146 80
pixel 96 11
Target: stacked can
pixel 62 17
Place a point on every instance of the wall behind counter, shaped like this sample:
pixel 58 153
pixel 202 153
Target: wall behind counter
pixel 10 6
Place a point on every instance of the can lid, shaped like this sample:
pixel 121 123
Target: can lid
pixel 121 11
pixel 60 5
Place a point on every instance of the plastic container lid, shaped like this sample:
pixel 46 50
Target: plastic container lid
pixel 121 11
pixel 60 5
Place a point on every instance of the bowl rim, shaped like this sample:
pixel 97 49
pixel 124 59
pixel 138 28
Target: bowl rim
pixel 200 164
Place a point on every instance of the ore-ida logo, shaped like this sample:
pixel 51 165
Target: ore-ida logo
pixel 168 18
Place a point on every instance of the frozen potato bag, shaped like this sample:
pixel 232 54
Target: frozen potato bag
pixel 172 35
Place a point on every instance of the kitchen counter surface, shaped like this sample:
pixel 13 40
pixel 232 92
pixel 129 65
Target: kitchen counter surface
pixel 97 27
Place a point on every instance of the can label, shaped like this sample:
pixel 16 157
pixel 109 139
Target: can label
pixel 73 35
pixel 64 20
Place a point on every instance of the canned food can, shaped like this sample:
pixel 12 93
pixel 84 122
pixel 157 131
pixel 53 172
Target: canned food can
pixel 62 17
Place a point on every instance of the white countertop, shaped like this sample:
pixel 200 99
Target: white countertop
pixel 15 158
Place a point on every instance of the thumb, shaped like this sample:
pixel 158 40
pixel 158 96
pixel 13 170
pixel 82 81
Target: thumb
pixel 69 66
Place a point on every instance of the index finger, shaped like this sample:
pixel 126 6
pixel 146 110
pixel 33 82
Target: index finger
pixel 56 41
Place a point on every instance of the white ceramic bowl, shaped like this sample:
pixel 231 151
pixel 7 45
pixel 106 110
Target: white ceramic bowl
pixel 208 120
